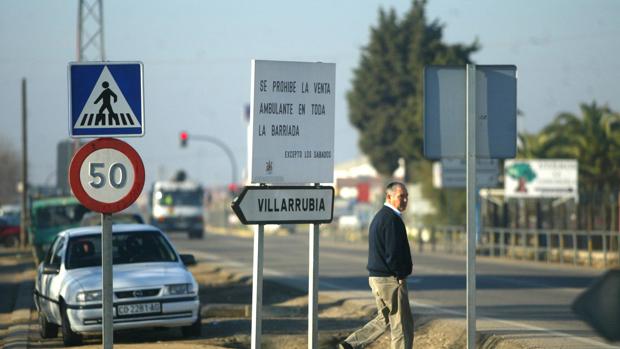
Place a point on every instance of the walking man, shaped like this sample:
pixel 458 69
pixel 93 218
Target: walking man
pixel 105 96
pixel 389 264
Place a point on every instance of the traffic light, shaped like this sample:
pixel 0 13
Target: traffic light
pixel 233 189
pixel 183 137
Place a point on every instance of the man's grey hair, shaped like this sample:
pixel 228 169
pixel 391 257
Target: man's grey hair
pixel 391 188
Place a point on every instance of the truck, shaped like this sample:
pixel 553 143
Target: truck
pixel 49 216
pixel 178 206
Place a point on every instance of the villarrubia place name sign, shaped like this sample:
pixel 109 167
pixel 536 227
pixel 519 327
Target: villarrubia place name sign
pixel 285 204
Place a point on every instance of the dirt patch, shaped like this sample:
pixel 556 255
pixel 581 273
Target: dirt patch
pixel 15 266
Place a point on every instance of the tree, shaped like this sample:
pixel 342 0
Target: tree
pixel 594 140
pixel 9 173
pixel 385 103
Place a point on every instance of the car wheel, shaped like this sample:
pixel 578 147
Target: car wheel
pixel 69 338
pixel 195 329
pixel 47 329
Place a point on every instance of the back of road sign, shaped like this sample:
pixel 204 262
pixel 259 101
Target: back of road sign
pixel 106 99
pixel 445 110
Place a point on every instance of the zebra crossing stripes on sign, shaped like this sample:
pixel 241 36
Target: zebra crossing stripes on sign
pixel 106 99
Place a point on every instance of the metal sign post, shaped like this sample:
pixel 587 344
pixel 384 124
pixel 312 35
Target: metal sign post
pixel 300 151
pixel 489 102
pixel 106 176
pixel 285 204
pixel 106 265
pixel 257 286
pixel 471 205
pixel 313 287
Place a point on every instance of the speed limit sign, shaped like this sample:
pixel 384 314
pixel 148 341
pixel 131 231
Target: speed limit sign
pixel 106 175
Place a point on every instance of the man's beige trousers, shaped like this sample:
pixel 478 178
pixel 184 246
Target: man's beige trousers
pixel 392 299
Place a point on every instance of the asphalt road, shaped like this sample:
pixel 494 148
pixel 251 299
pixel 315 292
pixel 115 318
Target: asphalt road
pixel 525 301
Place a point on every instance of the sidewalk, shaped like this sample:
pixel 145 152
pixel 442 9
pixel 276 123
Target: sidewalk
pixel 17 273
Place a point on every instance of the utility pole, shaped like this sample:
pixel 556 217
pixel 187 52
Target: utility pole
pixel 89 37
pixel 90 31
pixel 25 211
pixel 90 48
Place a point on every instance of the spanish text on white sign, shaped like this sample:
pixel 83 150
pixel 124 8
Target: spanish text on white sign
pixel 106 99
pixel 292 118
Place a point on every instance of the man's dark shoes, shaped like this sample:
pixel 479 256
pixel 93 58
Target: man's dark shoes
pixel 344 345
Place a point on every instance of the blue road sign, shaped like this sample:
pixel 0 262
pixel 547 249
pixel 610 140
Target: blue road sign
pixel 106 99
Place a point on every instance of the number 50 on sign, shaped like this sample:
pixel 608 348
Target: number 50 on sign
pixel 106 175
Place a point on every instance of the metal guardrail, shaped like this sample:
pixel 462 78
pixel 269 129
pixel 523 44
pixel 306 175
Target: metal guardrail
pixel 576 247
pixel 593 248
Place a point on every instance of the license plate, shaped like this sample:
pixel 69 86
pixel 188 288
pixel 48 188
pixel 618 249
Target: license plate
pixel 142 308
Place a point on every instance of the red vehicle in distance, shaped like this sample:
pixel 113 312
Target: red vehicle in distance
pixel 9 233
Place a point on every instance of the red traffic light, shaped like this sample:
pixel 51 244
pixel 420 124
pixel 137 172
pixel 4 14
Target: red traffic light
pixel 184 137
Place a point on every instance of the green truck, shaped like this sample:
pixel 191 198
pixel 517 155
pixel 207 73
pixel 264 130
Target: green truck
pixel 49 216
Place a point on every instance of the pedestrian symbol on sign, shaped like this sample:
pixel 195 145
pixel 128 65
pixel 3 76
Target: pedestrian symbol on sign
pixel 105 97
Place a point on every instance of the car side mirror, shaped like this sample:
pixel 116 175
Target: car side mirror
pixel 188 259
pixel 51 269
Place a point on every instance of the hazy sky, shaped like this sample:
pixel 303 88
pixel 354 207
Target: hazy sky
pixel 197 54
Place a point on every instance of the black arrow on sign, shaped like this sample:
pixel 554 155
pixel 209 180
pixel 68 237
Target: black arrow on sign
pixel 235 206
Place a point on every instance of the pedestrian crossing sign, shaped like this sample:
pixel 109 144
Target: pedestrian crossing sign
pixel 106 99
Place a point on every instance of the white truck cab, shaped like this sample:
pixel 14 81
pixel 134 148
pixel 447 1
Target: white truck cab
pixel 178 206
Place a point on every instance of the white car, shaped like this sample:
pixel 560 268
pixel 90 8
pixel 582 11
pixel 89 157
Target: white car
pixel 151 287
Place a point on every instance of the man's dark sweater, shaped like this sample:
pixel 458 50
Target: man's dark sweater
pixel 388 247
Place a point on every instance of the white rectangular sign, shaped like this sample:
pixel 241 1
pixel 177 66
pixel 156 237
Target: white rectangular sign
pixel 546 178
pixel 450 173
pixel 277 205
pixel 445 106
pixel 292 122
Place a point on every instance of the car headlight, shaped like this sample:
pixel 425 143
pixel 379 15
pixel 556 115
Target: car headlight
pixel 89 296
pixel 178 289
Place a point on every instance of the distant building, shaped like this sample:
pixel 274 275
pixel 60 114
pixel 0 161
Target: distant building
pixel 64 153
pixel 359 182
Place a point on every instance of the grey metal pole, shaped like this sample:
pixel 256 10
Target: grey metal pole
pixel 101 47
pixel 313 287
pixel 257 287
pixel 107 284
pixel 471 204
pixel 24 204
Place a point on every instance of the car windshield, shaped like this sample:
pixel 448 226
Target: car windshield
pixel 179 198
pixel 132 247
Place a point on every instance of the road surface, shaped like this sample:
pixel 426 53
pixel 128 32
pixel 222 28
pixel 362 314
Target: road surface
pixel 521 300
